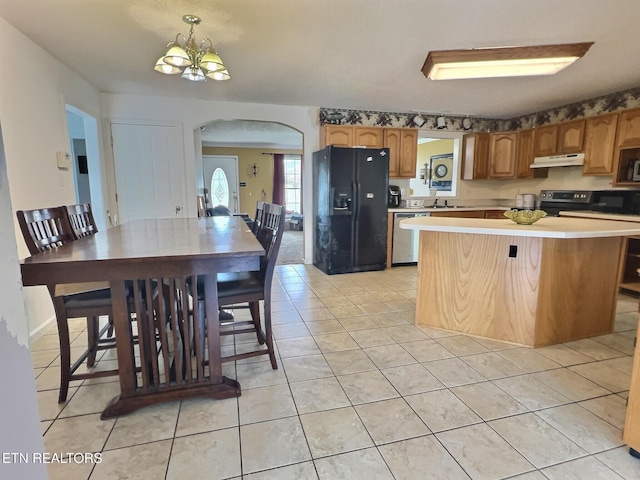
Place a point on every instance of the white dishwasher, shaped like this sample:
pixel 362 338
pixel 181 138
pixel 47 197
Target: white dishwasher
pixel 404 250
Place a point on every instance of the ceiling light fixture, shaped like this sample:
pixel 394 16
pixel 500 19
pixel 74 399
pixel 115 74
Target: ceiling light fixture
pixel 419 120
pixel 502 61
pixel 195 61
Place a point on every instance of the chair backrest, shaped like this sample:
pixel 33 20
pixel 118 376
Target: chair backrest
pixel 257 221
pixel 81 220
pixel 270 237
pixel 271 215
pixel 44 229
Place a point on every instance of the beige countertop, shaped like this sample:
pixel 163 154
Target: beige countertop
pixel 601 216
pixel 446 209
pixel 548 227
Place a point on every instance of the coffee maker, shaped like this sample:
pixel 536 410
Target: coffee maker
pixel 394 197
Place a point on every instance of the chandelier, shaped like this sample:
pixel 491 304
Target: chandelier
pixel 194 61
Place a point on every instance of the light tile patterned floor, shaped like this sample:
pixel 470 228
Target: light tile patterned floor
pixel 361 393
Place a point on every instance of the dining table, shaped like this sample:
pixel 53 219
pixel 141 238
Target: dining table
pixel 167 348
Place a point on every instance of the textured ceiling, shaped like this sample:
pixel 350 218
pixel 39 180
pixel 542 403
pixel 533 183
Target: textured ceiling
pixel 360 54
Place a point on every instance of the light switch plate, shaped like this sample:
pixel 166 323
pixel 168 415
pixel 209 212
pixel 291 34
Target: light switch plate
pixel 64 160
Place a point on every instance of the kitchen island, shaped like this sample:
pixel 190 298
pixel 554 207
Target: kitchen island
pixel 533 285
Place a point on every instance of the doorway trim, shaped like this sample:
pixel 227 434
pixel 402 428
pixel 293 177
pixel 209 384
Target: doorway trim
pixel 90 124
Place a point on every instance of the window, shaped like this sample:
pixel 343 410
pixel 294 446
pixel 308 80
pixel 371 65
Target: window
pixel 219 188
pixel 292 183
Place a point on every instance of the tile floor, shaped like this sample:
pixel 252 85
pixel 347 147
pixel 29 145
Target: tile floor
pixel 361 393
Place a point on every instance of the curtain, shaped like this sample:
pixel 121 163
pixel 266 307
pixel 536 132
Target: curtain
pixel 278 178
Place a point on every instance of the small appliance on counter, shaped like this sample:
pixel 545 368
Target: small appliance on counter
pixel 413 203
pixel 394 197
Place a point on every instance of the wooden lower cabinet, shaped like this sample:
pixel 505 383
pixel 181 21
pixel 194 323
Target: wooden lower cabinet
pixel 631 432
pixel 494 214
pixel 629 265
pixel 460 214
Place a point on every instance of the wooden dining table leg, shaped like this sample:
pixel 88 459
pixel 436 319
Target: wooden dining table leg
pixel 213 334
pixel 124 348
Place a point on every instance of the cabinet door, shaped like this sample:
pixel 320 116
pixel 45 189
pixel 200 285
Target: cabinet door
pixel 475 156
pixel 524 157
pixel 499 214
pixel 338 135
pixel 458 214
pixel 544 141
pixel 629 128
pixel 600 138
pixel 368 137
pixel 631 431
pixel 570 137
pixel 408 152
pixel 502 154
pixel 392 142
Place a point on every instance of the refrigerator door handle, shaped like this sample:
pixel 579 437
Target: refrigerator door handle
pixel 355 200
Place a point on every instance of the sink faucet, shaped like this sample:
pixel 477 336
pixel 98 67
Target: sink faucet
pixel 435 203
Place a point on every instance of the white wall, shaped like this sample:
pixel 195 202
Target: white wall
pixel 32 111
pixel 194 113
pixel 19 417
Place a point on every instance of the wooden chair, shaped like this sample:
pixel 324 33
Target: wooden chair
pixel 81 220
pixel 235 289
pixel 46 229
pixel 257 221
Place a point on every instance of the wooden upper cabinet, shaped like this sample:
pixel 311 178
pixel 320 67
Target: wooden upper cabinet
pixel 524 157
pixel 502 154
pixel 408 152
pixel 559 139
pixel 338 135
pixel 545 141
pixel 571 137
pixel 392 142
pixel 403 151
pixel 368 137
pixel 475 156
pixel 599 144
pixel 629 128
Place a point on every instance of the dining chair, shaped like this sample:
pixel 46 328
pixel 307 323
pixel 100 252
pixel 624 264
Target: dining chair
pixel 257 221
pixel 247 289
pixel 46 229
pixel 81 220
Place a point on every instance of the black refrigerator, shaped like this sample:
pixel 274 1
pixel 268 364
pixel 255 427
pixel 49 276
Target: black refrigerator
pixel 350 187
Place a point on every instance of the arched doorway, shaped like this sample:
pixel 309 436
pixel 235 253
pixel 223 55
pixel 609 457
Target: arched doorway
pixel 269 166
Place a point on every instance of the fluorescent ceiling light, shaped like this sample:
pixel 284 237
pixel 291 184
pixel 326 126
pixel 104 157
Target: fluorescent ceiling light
pixel 502 61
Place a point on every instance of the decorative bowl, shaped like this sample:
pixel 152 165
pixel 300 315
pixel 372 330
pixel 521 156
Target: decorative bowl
pixel 525 217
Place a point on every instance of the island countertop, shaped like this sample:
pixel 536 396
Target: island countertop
pixel 547 227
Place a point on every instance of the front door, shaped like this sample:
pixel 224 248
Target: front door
pixel 149 171
pixel 221 179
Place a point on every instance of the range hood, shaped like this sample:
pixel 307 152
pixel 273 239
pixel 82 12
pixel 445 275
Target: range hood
pixel 568 160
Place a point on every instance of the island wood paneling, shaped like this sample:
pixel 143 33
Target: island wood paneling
pixel 554 290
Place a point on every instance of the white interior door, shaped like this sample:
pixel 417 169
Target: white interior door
pixel 217 196
pixel 149 171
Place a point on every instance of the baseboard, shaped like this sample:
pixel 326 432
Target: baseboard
pixel 41 329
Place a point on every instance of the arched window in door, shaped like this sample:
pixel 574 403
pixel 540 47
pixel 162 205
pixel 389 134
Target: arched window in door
pixel 219 188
